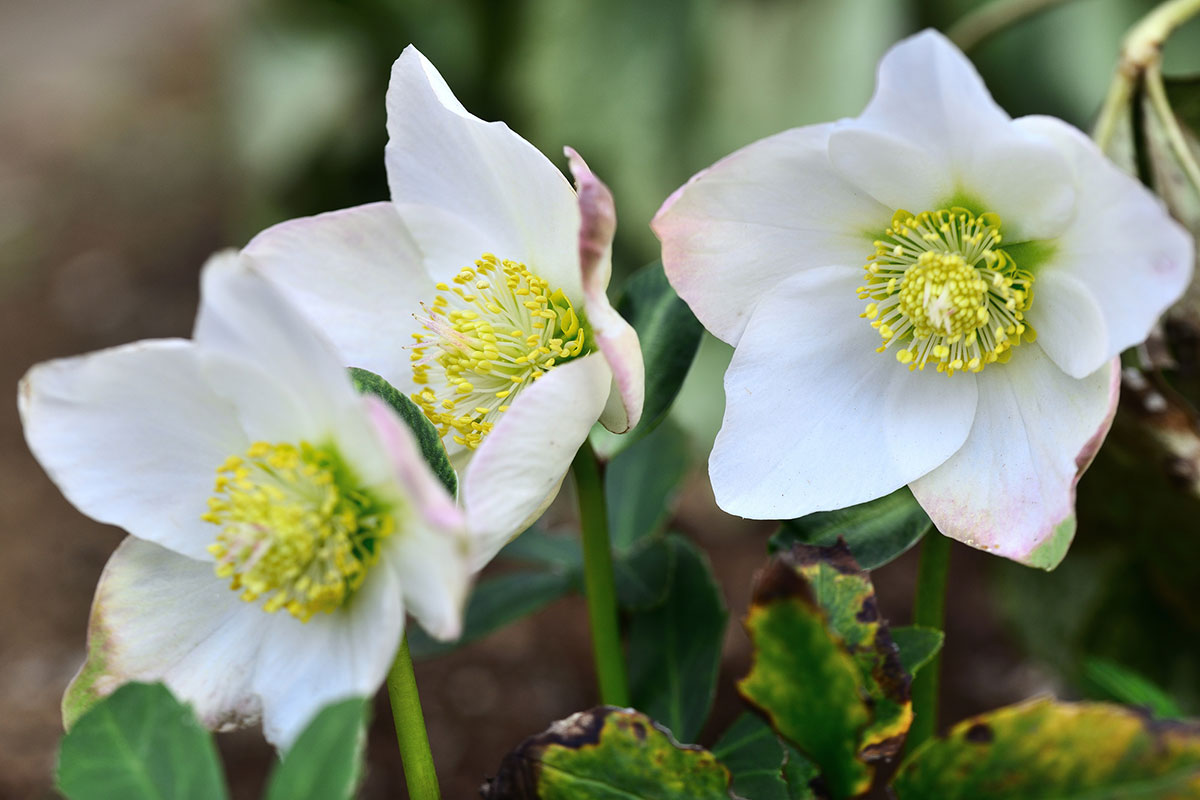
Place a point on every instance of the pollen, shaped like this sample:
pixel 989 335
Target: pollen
pixel 296 530
pixel 942 291
pixel 489 334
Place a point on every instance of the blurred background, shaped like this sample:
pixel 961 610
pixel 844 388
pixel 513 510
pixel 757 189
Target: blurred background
pixel 138 136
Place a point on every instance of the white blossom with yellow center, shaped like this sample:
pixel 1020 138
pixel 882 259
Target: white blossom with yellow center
pixel 479 292
pixel 281 525
pixel 923 369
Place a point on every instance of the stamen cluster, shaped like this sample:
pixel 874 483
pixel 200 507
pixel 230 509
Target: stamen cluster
pixel 940 285
pixel 495 331
pixel 295 528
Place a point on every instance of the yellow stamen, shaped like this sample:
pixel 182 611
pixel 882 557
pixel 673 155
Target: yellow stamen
pixel 491 345
pixel 940 285
pixel 296 528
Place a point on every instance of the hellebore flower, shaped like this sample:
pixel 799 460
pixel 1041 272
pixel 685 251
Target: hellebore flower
pixel 281 524
pixel 930 294
pixel 479 291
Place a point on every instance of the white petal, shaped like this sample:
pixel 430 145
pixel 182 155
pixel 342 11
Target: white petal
pixel 891 169
pixel 358 276
pixel 929 93
pixel 932 137
pixel 1024 179
pixel 159 616
pixel 737 229
pixel 1069 322
pixel 250 328
pixel 133 436
pixel 1122 246
pixel 467 187
pixel 304 666
pixel 430 551
pixel 517 470
pixel 434 575
pixel 1012 485
pixel 815 419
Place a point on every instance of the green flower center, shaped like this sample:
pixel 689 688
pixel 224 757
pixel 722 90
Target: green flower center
pixel 499 328
pixel 296 527
pixel 940 287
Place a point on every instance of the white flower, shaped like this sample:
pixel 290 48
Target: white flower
pixel 253 479
pixel 957 233
pixel 479 290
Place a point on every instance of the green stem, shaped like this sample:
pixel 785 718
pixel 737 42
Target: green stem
pixel 929 611
pixel 1141 50
pixel 410 728
pixel 598 579
pixel 983 23
pixel 1157 93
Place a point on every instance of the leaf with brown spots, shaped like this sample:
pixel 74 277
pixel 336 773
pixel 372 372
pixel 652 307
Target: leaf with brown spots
pixel 826 673
pixel 608 754
pixel 1064 751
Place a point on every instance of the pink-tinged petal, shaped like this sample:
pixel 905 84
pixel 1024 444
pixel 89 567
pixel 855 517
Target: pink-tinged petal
pixel 304 666
pixel 517 470
pixel 815 419
pixel 616 337
pixel 245 325
pixel 133 437
pixel 755 218
pixel 619 343
pixel 1010 490
pixel 1122 246
pixel 466 187
pixel 357 275
pixel 159 616
pixel 434 572
pixel 598 223
pixel 430 550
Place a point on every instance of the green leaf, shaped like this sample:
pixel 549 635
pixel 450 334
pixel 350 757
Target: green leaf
pixel 826 673
pixel 1065 751
pixel 1126 686
pixel 675 648
pixel 800 774
pixel 669 334
pixel 918 645
pixel 326 761
pixel 139 743
pixel 640 483
pixel 753 754
pixel 367 382
pixel 643 576
pixel 608 754
pixel 543 548
pixel 494 603
pixel 876 532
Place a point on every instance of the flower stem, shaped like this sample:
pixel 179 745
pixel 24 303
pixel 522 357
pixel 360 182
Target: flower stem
pixel 598 579
pixel 410 728
pixel 929 611
pixel 1141 50
pixel 988 20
